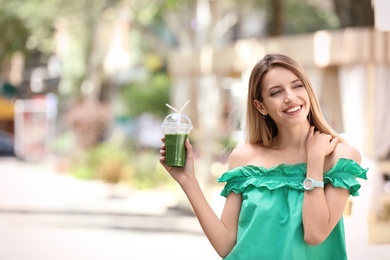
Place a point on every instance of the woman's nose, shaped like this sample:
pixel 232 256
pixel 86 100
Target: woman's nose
pixel 290 97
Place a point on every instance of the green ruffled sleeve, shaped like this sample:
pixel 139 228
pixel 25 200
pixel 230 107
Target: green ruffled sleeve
pixel 344 175
pixel 283 175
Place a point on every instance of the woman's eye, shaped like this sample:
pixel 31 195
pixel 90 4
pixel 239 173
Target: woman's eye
pixel 298 86
pixel 273 93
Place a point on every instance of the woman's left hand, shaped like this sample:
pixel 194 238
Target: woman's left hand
pixel 319 144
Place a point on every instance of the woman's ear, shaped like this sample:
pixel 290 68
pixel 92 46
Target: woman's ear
pixel 260 107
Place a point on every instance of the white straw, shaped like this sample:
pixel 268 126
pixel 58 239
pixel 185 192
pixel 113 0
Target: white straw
pixel 171 107
pixel 178 111
pixel 188 101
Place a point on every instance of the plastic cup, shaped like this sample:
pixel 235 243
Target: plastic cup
pixel 176 128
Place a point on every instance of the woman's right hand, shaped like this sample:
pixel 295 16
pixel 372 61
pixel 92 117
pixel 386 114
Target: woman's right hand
pixel 180 174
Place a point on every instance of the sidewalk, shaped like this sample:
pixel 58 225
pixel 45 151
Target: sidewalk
pixel 32 189
pixel 34 193
pixel 46 215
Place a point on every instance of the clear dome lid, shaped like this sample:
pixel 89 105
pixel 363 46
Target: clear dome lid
pixel 176 123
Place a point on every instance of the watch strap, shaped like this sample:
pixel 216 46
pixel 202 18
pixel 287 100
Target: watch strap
pixel 318 184
pixel 312 184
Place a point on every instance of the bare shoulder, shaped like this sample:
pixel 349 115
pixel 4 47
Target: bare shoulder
pixel 344 150
pixel 241 155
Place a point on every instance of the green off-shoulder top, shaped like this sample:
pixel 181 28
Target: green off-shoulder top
pixel 270 222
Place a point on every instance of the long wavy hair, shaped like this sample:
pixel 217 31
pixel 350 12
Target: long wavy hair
pixel 262 131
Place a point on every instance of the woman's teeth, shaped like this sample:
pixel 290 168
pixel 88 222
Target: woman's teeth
pixel 293 109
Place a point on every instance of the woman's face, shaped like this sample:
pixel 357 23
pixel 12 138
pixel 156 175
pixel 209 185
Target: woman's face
pixel 285 98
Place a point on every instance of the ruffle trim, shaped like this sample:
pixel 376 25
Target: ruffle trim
pixel 343 174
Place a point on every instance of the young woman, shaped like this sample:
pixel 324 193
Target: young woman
pixel 287 186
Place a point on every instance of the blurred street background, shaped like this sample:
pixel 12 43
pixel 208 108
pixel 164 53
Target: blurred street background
pixel 83 92
pixel 48 215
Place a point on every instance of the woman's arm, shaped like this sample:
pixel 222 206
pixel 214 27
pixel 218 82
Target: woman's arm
pixel 323 208
pixel 220 232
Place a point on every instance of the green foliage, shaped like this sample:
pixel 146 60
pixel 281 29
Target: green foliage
pixel 303 17
pixel 114 164
pixel 92 163
pixel 228 143
pixel 38 18
pixel 148 172
pixel 83 172
pixel 148 95
pixel 159 7
pixel 41 18
pixel 33 24
pixel 14 35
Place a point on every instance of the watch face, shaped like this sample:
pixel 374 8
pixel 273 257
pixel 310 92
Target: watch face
pixel 308 184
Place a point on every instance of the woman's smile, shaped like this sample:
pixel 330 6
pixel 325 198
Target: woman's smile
pixel 293 109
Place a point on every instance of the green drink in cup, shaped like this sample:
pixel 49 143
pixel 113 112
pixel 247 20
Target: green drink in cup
pixel 176 127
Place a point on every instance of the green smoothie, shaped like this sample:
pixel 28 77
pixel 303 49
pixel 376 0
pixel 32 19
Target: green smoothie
pixel 175 151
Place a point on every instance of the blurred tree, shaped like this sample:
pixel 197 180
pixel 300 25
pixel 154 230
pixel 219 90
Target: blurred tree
pixel 353 13
pixel 149 94
pixel 161 26
pixel 190 24
pixel 309 16
pixel 83 20
pixel 278 14
pixel 14 35
pixel 297 16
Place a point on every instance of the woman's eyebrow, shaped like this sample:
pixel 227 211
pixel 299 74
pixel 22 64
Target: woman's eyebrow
pixel 278 86
pixel 273 87
pixel 296 80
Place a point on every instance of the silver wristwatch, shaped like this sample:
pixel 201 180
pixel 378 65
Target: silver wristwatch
pixel 309 184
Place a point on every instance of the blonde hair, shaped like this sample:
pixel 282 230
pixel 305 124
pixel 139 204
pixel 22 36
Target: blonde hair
pixel 261 130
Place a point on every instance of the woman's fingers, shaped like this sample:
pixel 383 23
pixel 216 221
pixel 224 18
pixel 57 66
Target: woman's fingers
pixel 311 132
pixel 318 142
pixel 334 141
pixel 162 159
pixel 162 151
pixel 190 151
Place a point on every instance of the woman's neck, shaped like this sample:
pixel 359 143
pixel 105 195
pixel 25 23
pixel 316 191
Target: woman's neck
pixel 293 138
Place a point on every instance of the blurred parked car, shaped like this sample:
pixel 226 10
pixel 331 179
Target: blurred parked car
pixel 6 144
